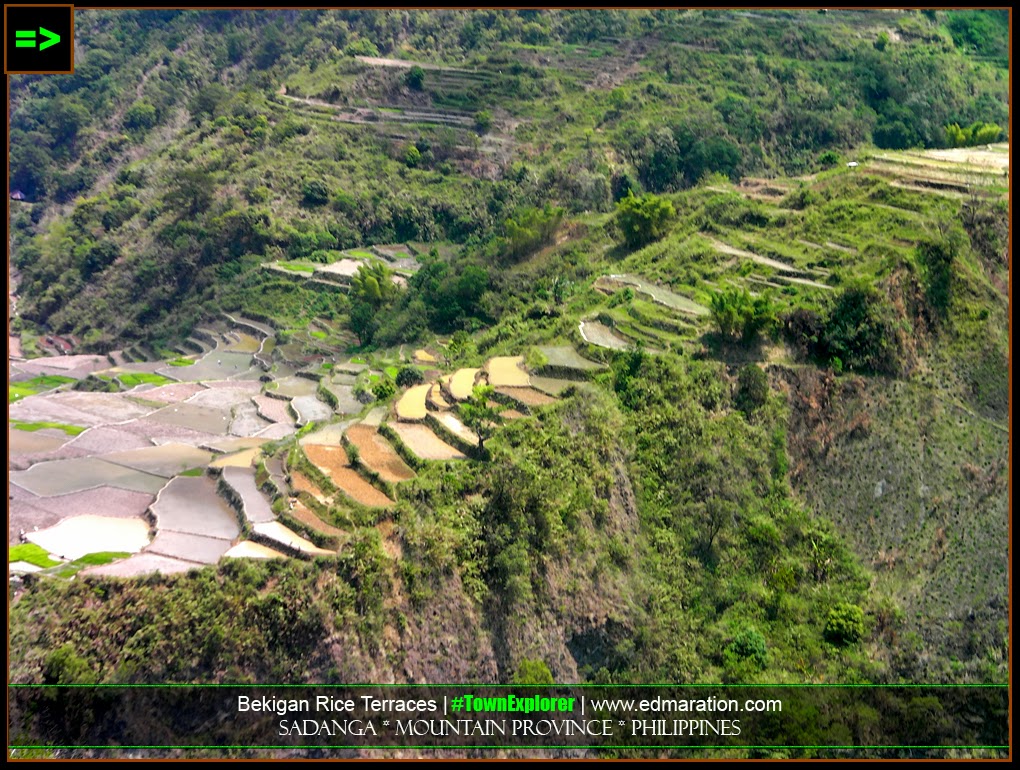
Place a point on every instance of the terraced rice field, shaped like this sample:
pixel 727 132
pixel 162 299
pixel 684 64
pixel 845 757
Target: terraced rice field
pixel 411 406
pixel 273 409
pixel 306 516
pixel 59 477
pixel 217 364
pixel 345 268
pixel 375 416
pixel 424 357
pixel 167 460
pixel 174 393
pixel 347 403
pixel 256 506
pixel 77 408
pixel 328 435
pixel 241 342
pixel 301 483
pixel 243 459
pixel 33 442
pixel 188 547
pixel 223 398
pixel 326 458
pixel 192 505
pixel 142 564
pixel 291 387
pixel 658 294
pixel 507 371
pixel 550 385
pixel 424 443
pixel 462 383
pixel 277 431
pixel 527 396
pixel 453 424
pixel 601 335
pixel 77 536
pixel 333 461
pixel 377 454
pixel 348 481
pixel 288 538
pixel 310 409
pixel 246 420
pixel 248 549
pixel 197 418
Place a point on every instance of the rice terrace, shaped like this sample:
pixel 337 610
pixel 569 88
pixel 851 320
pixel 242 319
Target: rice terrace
pixel 517 347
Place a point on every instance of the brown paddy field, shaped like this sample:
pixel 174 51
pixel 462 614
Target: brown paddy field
pixel 377 455
pixel 527 396
pixel 308 517
pixel 424 443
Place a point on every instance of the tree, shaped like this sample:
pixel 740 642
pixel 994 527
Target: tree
pixel 752 389
pixel 845 625
pixel 735 312
pixel 384 389
pixel 408 376
pixel 533 672
pixel 140 116
pixel 415 78
pixel 412 157
pixel 859 330
pixel 937 256
pixel 373 284
pixel 643 220
pixel 459 346
pixel 191 190
pixel 478 415
pixel 363 320
pixel 483 121
pixel 315 193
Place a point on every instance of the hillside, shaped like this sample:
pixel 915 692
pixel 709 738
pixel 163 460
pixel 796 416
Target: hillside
pixel 630 346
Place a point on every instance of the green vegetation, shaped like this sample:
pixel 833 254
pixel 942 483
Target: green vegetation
pixel 70 430
pixel 132 379
pixel 31 553
pixel 180 362
pixel 780 454
pixel 19 390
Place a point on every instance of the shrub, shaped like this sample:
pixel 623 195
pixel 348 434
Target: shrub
pixel 408 376
pixel 645 219
pixel 752 389
pixel 315 193
pixel 749 645
pixel 845 625
pixel 384 389
pixel 415 78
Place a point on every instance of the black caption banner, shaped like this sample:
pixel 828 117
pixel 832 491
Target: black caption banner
pixel 317 720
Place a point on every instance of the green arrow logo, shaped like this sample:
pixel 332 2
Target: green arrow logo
pixel 26 38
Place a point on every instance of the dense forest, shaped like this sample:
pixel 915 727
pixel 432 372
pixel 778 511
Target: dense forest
pixel 793 471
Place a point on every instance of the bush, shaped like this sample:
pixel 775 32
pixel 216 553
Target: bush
pixel 483 121
pixel 409 376
pixel 752 389
pixel 315 193
pixel 749 645
pixel 533 672
pixel 860 332
pixel 643 220
pixel 384 389
pixel 828 159
pixel 845 625
pixel 415 78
